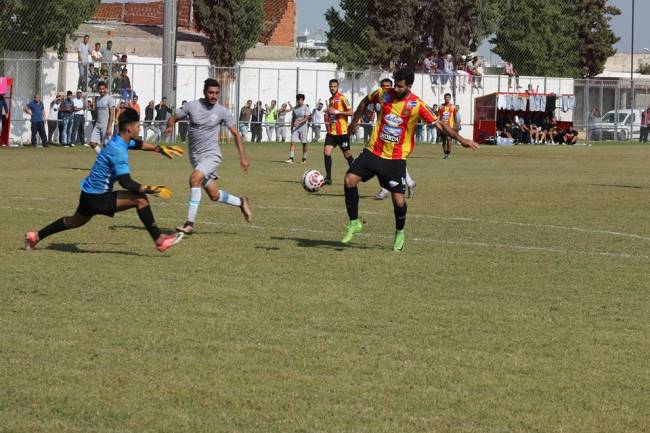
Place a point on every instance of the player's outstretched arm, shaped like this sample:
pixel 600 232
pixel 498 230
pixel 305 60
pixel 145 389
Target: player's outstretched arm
pixel 131 185
pixel 361 108
pixel 243 159
pixel 451 132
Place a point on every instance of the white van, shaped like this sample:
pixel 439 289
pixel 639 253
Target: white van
pixel 609 127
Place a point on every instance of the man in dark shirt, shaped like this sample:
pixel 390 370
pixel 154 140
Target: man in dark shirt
pixel 36 111
pixel 256 122
pixel 162 113
pixel 245 115
pixel 183 125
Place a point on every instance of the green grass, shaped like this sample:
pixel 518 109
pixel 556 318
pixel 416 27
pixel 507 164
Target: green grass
pixel 520 303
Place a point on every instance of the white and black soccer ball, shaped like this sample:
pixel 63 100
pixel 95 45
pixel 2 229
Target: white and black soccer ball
pixel 312 180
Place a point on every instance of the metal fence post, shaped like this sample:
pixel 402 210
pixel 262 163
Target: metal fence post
pixel 237 94
pixel 617 96
pixel 297 80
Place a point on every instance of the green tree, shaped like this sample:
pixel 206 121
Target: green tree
pixel 595 35
pixel 392 35
pixel 232 27
pixel 539 38
pixel 347 39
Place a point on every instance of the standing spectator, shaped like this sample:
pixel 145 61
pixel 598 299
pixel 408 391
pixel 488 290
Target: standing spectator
pixel 448 71
pixel 256 122
pixel 432 131
pixel 90 118
pixel 645 125
pixel 368 119
pixel 4 111
pixel 510 71
pixel 245 115
pixel 133 103
pixel 66 110
pixel 105 115
pixel 281 128
pixel 317 122
pixel 183 125
pixel 93 77
pixel 148 122
pixel 53 118
pixel 96 56
pixel 440 67
pixel 163 112
pixel 270 119
pixel 594 116
pixel 36 111
pixel 431 68
pixel 79 118
pixel 125 86
pixel 475 69
pixel 83 52
pixel 107 61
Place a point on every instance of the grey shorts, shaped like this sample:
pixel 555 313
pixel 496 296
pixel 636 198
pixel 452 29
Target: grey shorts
pixel 208 165
pixel 299 136
pixel 98 135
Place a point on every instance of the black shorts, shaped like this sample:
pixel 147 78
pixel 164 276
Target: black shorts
pixel 97 204
pixel 338 140
pixel 390 172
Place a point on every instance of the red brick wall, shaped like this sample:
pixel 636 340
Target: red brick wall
pixel 280 13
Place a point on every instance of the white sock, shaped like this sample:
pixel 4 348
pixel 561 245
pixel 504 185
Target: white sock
pixel 98 149
pixel 291 154
pixel 409 179
pixel 304 155
pixel 230 199
pixel 193 207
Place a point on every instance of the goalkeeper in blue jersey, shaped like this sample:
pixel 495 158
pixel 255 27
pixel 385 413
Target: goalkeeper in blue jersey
pixel 97 195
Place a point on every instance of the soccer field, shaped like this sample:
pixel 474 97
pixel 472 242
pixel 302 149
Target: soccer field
pixel 521 302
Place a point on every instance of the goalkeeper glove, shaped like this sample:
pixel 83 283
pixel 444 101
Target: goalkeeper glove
pixel 159 191
pixel 170 151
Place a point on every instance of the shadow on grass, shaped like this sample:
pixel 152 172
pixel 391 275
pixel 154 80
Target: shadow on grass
pixel 259 247
pixel 618 186
pixel 74 248
pixel 169 231
pixel 75 168
pixel 320 243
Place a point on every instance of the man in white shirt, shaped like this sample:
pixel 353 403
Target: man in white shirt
pixel 82 53
pixel 53 119
pixel 79 119
pixel 96 55
pixel 317 122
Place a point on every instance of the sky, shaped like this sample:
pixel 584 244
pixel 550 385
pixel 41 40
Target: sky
pixel 311 16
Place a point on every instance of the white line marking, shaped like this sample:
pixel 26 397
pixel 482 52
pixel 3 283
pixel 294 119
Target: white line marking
pixel 380 236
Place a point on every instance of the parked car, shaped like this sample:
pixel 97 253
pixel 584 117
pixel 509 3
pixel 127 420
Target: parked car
pixel 618 125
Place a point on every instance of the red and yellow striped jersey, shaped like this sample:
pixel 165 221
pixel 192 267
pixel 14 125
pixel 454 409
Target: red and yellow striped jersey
pixel 393 136
pixel 337 124
pixel 447 114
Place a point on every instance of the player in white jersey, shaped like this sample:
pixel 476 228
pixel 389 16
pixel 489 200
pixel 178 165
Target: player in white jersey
pixel 206 116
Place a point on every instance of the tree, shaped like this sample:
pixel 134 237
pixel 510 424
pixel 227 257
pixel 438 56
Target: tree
pixel 232 27
pixel 595 35
pixel 347 39
pixel 539 38
pixel 36 26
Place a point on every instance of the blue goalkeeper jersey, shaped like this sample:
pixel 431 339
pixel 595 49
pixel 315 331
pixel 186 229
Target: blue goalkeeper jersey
pixel 111 163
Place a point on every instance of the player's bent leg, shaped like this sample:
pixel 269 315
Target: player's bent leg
pixel 352 206
pixel 225 197
pixel 196 181
pixel 65 223
pixel 399 208
pixel 292 153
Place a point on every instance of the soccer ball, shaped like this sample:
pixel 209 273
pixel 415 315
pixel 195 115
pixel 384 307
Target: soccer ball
pixel 312 180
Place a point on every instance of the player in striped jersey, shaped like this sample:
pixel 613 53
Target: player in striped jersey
pixel 447 114
pixel 392 141
pixel 336 119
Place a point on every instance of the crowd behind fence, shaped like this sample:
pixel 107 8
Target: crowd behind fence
pixel 605 109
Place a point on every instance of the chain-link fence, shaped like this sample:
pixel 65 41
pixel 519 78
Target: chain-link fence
pixel 598 109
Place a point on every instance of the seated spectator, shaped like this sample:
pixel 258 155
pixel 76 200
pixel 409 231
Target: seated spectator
pixel 126 92
pixel 570 136
pixel 509 70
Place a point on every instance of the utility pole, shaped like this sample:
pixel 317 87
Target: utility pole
pixel 632 95
pixel 169 52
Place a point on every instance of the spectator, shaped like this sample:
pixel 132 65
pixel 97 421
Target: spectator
pixel 368 119
pixel 518 129
pixel 183 125
pixel 93 77
pixel 570 136
pixel 79 119
pixel 163 112
pixel 440 68
pixel 90 119
pixel 645 125
pixel 133 103
pixel 462 77
pixel 107 55
pixel 245 115
pixel 475 69
pixel 594 116
pixel 53 118
pixel 36 111
pixel 317 122
pixel 270 119
pixel 448 69
pixel 83 53
pixel 4 111
pixel 510 71
pixel 256 122
pixel 96 56
pixel 281 128
pixel 431 68
pixel 126 92
pixel 148 122
pixel 432 132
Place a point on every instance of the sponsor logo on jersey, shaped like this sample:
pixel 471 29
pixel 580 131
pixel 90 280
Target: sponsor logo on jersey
pixel 413 104
pixel 393 119
pixel 391 130
pixel 389 137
